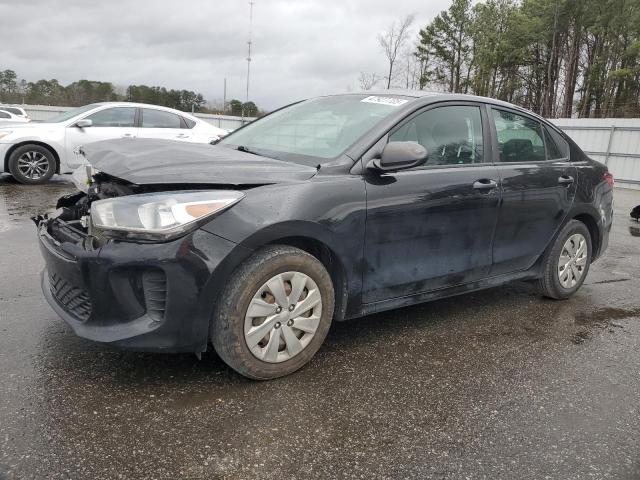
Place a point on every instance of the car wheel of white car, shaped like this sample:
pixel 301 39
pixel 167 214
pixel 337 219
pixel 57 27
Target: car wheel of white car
pixel 32 164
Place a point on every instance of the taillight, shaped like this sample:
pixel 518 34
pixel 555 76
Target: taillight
pixel 609 179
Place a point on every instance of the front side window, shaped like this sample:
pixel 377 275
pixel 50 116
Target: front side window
pixel 452 135
pixel 519 137
pixel 159 119
pixel 15 111
pixel 315 130
pixel 114 117
pixel 4 115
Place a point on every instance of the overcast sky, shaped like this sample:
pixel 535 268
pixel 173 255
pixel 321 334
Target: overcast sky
pixel 301 48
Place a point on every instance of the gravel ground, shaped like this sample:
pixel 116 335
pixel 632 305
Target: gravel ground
pixel 495 384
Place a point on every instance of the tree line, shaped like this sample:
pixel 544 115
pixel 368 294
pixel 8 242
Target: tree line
pixel 83 92
pixel 559 58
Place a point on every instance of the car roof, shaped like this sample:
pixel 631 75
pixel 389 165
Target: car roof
pixel 141 105
pixel 431 96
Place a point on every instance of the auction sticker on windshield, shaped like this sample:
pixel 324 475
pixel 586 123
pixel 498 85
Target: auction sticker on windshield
pixel 394 102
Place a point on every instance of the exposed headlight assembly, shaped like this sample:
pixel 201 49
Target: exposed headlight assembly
pixel 159 216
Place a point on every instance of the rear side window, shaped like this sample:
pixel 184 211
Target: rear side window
pixel 114 117
pixel 159 119
pixel 520 139
pixel 4 115
pixel 452 135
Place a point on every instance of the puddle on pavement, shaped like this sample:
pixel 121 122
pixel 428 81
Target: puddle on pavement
pixel 603 318
pixel 20 202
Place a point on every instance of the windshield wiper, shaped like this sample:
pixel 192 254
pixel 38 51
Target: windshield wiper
pixel 242 148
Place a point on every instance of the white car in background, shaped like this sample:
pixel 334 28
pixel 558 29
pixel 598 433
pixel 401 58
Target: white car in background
pixel 18 111
pixel 33 152
pixel 8 117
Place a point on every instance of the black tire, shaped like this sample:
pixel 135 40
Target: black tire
pixel 549 283
pixel 227 327
pixel 38 151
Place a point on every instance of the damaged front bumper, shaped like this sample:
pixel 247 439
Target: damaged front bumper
pixel 142 296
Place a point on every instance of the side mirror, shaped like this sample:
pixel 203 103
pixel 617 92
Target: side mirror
pixel 399 156
pixel 84 123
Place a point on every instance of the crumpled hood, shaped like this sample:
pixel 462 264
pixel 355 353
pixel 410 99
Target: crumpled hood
pixel 148 161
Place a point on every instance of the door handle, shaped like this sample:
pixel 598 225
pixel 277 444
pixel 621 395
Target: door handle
pixel 565 180
pixel 485 184
pixel 128 135
pixel 182 135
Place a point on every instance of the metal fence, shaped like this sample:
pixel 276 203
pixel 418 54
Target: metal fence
pixel 229 122
pixel 612 141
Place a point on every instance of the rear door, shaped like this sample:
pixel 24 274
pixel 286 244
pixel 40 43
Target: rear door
pixel 164 125
pixel 537 186
pixel 432 226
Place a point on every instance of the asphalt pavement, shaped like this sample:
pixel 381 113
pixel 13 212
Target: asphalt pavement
pixel 496 384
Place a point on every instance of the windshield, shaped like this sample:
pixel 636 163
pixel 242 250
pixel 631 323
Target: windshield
pixel 315 130
pixel 64 116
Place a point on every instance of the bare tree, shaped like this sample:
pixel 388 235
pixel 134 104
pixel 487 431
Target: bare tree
pixel 412 68
pixel 393 39
pixel 368 80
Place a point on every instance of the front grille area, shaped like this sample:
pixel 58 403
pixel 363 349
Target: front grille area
pixel 63 232
pixel 154 285
pixel 73 299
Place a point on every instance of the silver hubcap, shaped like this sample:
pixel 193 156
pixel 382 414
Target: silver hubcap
pixel 283 317
pixel 33 165
pixel 573 260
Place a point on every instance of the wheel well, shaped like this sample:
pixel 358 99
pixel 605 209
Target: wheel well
pixel 31 142
pixel 330 261
pixel 592 226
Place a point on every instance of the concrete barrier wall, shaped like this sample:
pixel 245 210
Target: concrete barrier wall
pixel 44 112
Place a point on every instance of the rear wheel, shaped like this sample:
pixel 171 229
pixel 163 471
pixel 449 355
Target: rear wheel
pixel 274 313
pixel 567 263
pixel 32 164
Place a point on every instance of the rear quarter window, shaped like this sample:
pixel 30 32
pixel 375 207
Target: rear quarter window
pixel 557 146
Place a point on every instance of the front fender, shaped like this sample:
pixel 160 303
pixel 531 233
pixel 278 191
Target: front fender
pixel 330 211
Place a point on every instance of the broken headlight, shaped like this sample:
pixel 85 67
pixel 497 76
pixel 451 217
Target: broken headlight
pixel 159 216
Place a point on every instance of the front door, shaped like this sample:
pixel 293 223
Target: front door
pixel 538 188
pixel 107 124
pixel 432 226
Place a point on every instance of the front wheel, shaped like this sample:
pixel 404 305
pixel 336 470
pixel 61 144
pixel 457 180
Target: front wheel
pixel 274 313
pixel 567 263
pixel 32 164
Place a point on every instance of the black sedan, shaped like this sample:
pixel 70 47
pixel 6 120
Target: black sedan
pixel 327 209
